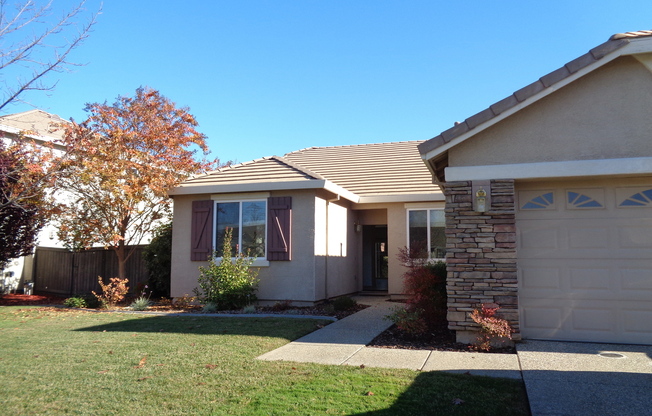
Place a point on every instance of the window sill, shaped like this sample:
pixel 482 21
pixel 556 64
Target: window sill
pixel 260 263
pixel 257 262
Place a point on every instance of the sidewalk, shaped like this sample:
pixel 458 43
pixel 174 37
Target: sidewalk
pixel 344 343
pixel 561 378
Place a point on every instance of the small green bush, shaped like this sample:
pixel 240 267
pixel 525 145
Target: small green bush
pixel 75 302
pixel 345 303
pixel 230 283
pixel 209 307
pixel 249 309
pixel 140 304
pixel 410 321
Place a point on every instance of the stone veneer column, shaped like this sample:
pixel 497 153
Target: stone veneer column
pixel 481 256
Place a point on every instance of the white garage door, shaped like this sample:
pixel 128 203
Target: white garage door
pixel 585 261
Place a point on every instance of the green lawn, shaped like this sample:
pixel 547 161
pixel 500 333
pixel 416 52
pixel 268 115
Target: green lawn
pixel 85 363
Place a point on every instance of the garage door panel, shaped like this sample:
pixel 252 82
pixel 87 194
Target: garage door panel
pixel 637 279
pixel 582 322
pixel 586 274
pixel 541 237
pixel 587 237
pixel 593 319
pixel 637 322
pixel 541 277
pixel 590 279
pixel 635 236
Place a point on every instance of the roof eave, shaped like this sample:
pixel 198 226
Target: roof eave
pixel 425 197
pixel 546 85
pixel 263 186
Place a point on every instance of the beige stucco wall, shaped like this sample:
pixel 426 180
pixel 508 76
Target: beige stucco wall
pixel 605 114
pixel 337 253
pixel 326 249
pixel 281 280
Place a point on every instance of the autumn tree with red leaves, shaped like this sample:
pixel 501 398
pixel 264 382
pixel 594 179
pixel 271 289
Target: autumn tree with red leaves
pixel 24 200
pixel 122 161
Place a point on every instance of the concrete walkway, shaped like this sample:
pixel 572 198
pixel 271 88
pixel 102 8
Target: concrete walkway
pixel 344 343
pixel 561 378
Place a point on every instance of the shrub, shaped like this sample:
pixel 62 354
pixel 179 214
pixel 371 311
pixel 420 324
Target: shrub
pixel 425 285
pixel 229 283
pixel 183 302
pixel 92 301
pixel 158 258
pixel 282 305
pixel 344 303
pixel 75 302
pixel 409 321
pixel 491 327
pixel 142 302
pixel 209 307
pixel 249 309
pixel 113 292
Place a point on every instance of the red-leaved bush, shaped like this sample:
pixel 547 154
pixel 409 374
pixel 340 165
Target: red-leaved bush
pixel 491 326
pixel 425 285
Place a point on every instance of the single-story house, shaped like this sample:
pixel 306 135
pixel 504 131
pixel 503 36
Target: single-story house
pixel 562 240
pixel 546 208
pixel 322 222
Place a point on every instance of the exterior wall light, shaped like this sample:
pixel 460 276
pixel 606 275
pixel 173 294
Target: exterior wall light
pixel 481 200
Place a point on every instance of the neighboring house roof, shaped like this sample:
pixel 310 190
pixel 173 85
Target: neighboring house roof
pixel 379 172
pixel 38 124
pixel 629 43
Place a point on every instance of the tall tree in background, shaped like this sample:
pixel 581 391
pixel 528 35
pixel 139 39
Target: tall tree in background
pixel 122 161
pixel 24 201
pixel 35 43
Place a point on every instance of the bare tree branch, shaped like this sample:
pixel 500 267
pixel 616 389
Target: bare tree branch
pixel 33 45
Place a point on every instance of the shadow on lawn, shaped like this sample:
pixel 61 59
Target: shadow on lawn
pixel 434 393
pixel 264 326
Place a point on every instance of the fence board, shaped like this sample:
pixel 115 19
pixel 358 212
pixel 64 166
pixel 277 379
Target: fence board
pixel 59 271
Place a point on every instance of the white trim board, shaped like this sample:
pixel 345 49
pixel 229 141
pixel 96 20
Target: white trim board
pixel 543 170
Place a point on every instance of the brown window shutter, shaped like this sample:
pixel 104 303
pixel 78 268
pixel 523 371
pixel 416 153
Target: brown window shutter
pixel 201 233
pixel 279 228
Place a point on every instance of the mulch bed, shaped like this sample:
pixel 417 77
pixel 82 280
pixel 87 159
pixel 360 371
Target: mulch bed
pixel 318 310
pixel 440 339
pixel 25 300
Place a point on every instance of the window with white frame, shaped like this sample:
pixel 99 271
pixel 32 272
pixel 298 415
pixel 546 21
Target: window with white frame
pixel 248 220
pixel 426 233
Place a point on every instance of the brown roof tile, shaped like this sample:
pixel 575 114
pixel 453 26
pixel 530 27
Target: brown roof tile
pixel 369 170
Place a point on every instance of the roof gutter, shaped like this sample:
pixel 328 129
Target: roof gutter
pixel 188 189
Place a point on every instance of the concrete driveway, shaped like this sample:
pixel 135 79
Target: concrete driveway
pixel 578 379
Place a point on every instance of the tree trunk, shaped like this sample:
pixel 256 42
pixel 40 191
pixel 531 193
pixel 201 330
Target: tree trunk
pixel 122 260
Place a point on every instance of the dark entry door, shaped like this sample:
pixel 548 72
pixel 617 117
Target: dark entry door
pixel 374 257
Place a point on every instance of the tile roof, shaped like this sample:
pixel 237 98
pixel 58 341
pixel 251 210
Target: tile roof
pixel 614 43
pixel 369 169
pixel 370 173
pixel 268 169
pixel 38 122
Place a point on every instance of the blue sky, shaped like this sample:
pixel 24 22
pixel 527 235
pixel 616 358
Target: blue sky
pixel 267 77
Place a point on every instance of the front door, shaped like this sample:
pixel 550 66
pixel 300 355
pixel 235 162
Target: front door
pixel 374 257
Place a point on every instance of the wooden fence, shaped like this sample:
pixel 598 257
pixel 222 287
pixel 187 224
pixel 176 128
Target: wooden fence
pixel 62 272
